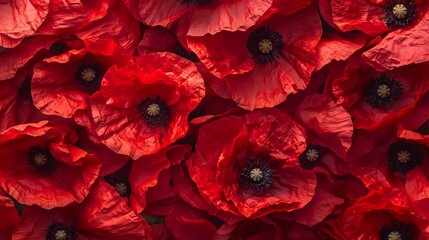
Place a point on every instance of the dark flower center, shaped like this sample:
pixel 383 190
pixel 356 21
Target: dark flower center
pixel 41 159
pixel 89 77
pixel 155 112
pixel 403 156
pixel 58 48
pixel 383 91
pixel 25 90
pixel 310 157
pixel 120 184
pixel 195 2
pixel 396 230
pixel 256 175
pixel 265 45
pixel 59 231
pixel 399 12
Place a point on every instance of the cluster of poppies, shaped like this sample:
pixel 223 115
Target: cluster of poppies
pixel 214 119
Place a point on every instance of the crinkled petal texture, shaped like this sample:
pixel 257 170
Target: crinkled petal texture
pixel 366 16
pixel 70 177
pixel 401 47
pixel 260 229
pixel 145 170
pixel 370 213
pixel 351 92
pixel 331 122
pixel 103 215
pixel 10 217
pixel 225 55
pixel 117 118
pixel 56 88
pixel 20 19
pixel 225 146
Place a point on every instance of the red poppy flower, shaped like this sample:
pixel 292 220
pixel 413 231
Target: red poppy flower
pixel 117 25
pixel 61 84
pixel 401 47
pixel 20 19
pixel 103 215
pixel 211 18
pixel 146 108
pixel 243 166
pixel 384 214
pixel 263 55
pixel 10 217
pixel 258 229
pixel 378 99
pixel 374 17
pixel 135 178
pixel 42 166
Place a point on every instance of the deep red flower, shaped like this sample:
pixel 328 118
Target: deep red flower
pixel 264 55
pixel 10 217
pixel 211 18
pixel 134 179
pixel 144 107
pixel 373 17
pixel 103 215
pixel 20 19
pixel 258 229
pixel 384 214
pixel 61 84
pixel 379 99
pixel 41 166
pixel 249 165
pixel 402 47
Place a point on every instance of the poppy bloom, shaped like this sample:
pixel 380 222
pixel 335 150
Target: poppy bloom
pixel 134 179
pixel 384 214
pixel 379 99
pixel 103 215
pixel 61 84
pixel 263 55
pixel 248 165
pixel 21 19
pixel 143 107
pixel 41 165
pixel 10 217
pixel 207 16
pixel 374 18
pixel 257 229
pixel 402 47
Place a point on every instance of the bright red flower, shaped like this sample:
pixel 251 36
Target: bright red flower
pixel 20 19
pixel 103 215
pixel 143 107
pixel 10 217
pixel 249 165
pixel 402 47
pixel 41 166
pixel 61 84
pixel 213 17
pixel 379 99
pixel 264 55
pixel 373 17
pixel 384 214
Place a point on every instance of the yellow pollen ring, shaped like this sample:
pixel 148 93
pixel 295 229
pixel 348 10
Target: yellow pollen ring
pixel 312 155
pixel 256 174
pixel 40 159
pixel 153 110
pixel 121 188
pixel 383 91
pixel 60 235
pixel 88 74
pixel 400 11
pixel 395 236
pixel 404 156
pixel 265 46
